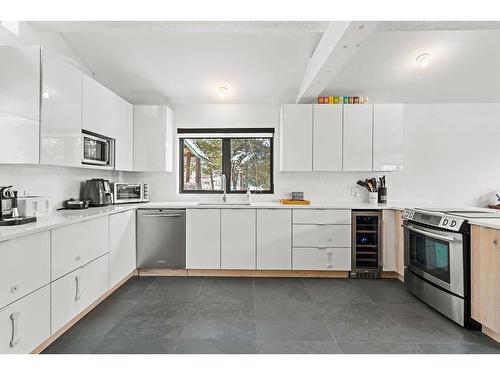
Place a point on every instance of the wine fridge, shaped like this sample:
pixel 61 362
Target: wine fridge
pixel 366 244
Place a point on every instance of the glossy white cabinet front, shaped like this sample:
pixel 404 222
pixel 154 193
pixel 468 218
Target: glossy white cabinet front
pixel 388 142
pixel 203 238
pixel 153 138
pixel 358 131
pixel 274 239
pixel 61 117
pixel 124 133
pixel 98 109
pixel 19 104
pixel 296 140
pixel 122 259
pixel 25 324
pixel 327 137
pixel 238 239
pixel 322 259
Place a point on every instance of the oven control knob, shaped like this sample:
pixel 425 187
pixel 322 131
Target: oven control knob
pixel 445 221
pixel 453 223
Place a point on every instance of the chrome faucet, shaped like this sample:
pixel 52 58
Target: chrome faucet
pixel 224 198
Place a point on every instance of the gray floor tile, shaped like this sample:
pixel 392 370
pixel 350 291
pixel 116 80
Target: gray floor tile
pixel 461 348
pixel 360 323
pixel 135 346
pixel 133 288
pixel 135 327
pixel 72 345
pixel 288 329
pixel 420 323
pixel 221 329
pixel 378 348
pixel 385 290
pixel 160 309
pixel 336 291
pixel 282 291
pixel 174 289
pixel 231 288
pixel 297 347
pixel 221 308
pixel 211 346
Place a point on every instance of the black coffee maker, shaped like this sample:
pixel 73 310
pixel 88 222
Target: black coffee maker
pixel 98 192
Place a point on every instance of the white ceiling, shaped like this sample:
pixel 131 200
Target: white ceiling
pixel 183 62
pixel 265 62
pixel 464 67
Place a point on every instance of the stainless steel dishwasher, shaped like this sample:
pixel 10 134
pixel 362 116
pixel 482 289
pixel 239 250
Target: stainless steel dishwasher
pixel 161 239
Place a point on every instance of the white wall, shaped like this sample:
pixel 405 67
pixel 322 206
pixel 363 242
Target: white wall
pixel 451 156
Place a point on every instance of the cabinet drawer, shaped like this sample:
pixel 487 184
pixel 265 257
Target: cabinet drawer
pixel 305 216
pixel 77 290
pixel 26 268
pixel 322 235
pixel 78 244
pixel 329 259
pixel 25 324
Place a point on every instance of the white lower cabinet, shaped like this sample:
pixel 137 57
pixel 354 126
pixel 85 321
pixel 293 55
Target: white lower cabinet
pixel 322 259
pixel 238 239
pixel 26 268
pixel 274 239
pixel 77 244
pixel 203 238
pixel 25 324
pixel 314 235
pixel 77 290
pixel 122 259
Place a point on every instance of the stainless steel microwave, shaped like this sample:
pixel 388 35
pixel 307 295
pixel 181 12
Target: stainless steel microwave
pixel 130 192
pixel 97 150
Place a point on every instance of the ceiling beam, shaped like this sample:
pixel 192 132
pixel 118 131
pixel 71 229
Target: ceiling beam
pixel 338 44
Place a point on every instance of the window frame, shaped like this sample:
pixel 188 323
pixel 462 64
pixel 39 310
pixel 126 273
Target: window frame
pixel 226 157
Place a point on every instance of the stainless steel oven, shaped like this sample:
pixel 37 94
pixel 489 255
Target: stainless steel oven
pixel 97 150
pixel 437 261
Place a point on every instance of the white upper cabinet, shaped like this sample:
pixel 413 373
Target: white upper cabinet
pixel 98 109
pixel 327 137
pixel 61 117
pixel 296 137
pixel 388 142
pixel 358 132
pixel 19 104
pixel 124 134
pixel 153 138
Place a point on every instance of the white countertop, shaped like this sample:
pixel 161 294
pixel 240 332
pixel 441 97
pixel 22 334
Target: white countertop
pixel 66 217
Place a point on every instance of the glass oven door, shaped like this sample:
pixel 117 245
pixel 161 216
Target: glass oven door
pixel 436 256
pixel 128 193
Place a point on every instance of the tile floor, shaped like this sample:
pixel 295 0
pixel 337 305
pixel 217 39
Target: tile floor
pixel 262 315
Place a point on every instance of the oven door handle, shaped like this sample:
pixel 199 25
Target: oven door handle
pixel 429 234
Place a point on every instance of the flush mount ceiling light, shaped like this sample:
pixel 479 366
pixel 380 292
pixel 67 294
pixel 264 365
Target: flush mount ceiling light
pixel 222 92
pixel 423 60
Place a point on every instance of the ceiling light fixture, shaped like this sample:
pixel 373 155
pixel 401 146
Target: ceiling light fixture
pixel 423 60
pixel 222 92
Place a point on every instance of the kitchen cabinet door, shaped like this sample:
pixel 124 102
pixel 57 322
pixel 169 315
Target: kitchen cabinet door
pixel 19 104
pixel 485 279
pixel 388 139
pixel 77 290
pixel 296 137
pixel 322 259
pixel 274 239
pixel 321 235
pixel 61 117
pixel 124 133
pixel 27 266
pixel 358 132
pixel 238 239
pixel 25 324
pixel 153 138
pixel 203 238
pixel 77 244
pixel 327 137
pixel 122 260
pixel 98 108
pixel 400 247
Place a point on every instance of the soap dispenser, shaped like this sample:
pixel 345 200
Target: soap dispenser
pixel 249 196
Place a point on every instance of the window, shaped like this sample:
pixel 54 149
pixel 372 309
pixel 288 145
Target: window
pixel 244 156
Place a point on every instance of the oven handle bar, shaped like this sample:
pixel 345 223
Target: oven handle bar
pixel 429 234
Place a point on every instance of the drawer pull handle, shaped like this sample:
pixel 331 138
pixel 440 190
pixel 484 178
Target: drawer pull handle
pixel 78 294
pixel 329 256
pixel 495 242
pixel 77 258
pixel 14 288
pixel 15 327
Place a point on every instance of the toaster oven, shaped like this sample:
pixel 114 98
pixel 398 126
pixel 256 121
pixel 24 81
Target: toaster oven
pixel 124 192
